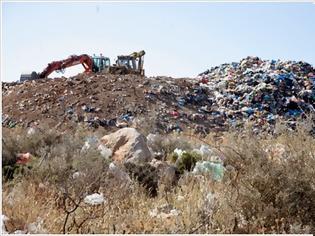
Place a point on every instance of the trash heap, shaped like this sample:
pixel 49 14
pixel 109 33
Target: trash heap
pixel 223 97
pixel 260 91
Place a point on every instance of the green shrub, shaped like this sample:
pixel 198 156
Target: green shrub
pixel 187 161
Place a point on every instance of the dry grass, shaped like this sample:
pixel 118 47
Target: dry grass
pixel 268 187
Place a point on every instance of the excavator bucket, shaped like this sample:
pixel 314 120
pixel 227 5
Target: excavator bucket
pixel 32 76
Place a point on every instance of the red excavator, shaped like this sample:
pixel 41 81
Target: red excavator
pixel 90 64
pixel 124 65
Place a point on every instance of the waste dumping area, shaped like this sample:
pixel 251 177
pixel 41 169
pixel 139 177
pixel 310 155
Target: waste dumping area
pixel 223 97
pixel 261 91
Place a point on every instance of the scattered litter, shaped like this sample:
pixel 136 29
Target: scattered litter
pixel 89 142
pixel 94 199
pixel 77 174
pixel 31 131
pixel 164 212
pixel 20 232
pixel 3 219
pixel 215 169
pixel 23 158
pixel 36 227
pixel 179 152
pixel 180 198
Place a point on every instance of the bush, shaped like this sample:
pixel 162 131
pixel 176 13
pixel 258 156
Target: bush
pixel 268 187
pixel 187 161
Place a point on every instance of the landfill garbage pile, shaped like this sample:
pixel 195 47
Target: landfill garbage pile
pixel 223 97
pixel 260 91
pixel 108 101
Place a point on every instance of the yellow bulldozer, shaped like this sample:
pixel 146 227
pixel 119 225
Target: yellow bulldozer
pixel 128 64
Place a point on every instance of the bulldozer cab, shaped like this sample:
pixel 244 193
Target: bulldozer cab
pixel 100 63
pixel 128 64
pixel 127 61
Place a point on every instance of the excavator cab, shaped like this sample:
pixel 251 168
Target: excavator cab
pixel 100 63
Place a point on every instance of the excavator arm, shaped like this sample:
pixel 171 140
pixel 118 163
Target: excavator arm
pixel 139 56
pixel 73 60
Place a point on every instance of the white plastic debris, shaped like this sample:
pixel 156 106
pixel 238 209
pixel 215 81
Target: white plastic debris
pixel 179 152
pixel 31 131
pixel 174 212
pixel 36 227
pixel 76 175
pixel 215 169
pixel 3 219
pixel 208 154
pixel 94 199
pixel 165 211
pixel 210 197
pixel 152 138
pixel 180 198
pixel 276 152
pixel 163 215
pixel 19 232
pixel 89 142
pixel 105 151
pixel 153 213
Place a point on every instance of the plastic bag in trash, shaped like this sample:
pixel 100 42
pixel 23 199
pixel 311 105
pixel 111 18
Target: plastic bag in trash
pixel 89 142
pixel 215 169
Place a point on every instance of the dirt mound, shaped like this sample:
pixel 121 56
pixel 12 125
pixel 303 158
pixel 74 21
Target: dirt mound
pixel 109 101
pixel 227 96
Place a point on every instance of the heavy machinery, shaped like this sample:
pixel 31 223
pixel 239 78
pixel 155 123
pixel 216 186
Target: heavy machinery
pixel 130 64
pixel 90 64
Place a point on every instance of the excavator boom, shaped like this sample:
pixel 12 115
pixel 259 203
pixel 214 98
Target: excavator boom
pixel 73 60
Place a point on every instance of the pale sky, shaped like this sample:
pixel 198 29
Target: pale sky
pixel 180 39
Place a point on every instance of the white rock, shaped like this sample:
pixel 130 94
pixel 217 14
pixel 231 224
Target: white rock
pixel 128 145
